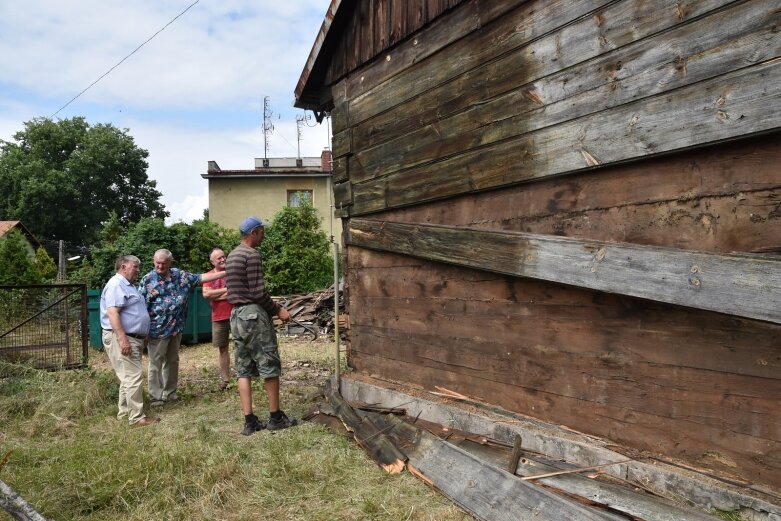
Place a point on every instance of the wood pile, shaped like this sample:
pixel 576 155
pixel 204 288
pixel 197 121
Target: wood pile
pixel 314 311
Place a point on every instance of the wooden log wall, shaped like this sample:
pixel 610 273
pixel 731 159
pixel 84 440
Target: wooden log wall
pixel 550 88
pixel 379 25
pixel 650 123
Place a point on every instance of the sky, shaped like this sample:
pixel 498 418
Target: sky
pixel 193 93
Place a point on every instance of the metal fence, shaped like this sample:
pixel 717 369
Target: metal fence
pixel 44 325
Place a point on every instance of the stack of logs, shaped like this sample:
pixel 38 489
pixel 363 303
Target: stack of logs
pixel 315 310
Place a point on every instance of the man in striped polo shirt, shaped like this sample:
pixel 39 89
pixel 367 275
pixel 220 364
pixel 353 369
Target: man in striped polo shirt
pixel 256 351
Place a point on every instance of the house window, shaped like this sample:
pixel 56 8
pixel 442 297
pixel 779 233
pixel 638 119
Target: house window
pixel 297 197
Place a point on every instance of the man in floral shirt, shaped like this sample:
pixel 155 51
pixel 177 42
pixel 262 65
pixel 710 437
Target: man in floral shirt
pixel 167 291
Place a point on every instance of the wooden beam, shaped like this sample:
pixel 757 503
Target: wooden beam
pixel 739 285
pixel 483 490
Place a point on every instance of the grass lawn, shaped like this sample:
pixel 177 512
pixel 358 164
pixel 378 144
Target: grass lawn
pixel 67 454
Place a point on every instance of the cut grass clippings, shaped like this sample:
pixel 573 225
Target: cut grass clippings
pixel 71 459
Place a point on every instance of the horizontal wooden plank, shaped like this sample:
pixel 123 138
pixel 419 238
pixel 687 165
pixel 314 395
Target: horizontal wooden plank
pixel 340 169
pixel 737 285
pixel 708 47
pixel 691 396
pixel 577 329
pixel 599 26
pixel 341 143
pixel 725 198
pixel 528 21
pixel 723 108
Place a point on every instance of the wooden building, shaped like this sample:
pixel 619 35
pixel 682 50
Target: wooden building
pixel 567 209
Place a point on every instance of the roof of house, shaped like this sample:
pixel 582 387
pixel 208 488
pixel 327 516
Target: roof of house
pixel 7 226
pixel 276 167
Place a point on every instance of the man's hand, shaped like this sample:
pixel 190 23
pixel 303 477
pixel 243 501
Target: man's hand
pixel 284 315
pixel 125 347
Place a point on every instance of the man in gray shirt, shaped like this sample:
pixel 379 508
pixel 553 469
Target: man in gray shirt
pixel 125 323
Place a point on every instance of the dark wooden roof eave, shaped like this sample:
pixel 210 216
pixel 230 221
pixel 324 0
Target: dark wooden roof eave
pixel 309 90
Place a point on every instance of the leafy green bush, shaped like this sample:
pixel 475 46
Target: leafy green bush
pixel 189 243
pixel 45 265
pixel 16 265
pixel 295 252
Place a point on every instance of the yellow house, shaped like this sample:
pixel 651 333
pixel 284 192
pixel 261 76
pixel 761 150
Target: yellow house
pixel 273 184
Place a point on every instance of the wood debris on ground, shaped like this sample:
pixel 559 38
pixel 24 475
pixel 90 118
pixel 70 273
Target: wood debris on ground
pixel 470 470
pixel 313 313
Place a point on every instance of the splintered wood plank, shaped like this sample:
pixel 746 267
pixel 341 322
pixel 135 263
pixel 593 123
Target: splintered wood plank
pixel 483 490
pixel 368 436
pixel 617 497
pixel 737 285
pixel 701 488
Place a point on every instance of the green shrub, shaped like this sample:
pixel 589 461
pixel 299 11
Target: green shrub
pixel 295 252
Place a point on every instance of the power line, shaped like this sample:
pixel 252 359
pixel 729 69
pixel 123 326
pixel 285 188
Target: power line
pixel 123 59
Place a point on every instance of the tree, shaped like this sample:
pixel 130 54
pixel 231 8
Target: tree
pixel 16 264
pixel 295 252
pixel 45 265
pixel 189 243
pixel 64 179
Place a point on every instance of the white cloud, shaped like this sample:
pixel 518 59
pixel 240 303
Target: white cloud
pixel 192 94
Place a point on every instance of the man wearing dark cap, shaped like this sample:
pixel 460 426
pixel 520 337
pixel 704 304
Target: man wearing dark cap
pixel 255 341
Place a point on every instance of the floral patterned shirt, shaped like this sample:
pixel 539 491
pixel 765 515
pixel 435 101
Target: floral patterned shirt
pixel 166 300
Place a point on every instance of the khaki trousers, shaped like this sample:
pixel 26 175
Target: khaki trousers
pixel 130 373
pixel 163 367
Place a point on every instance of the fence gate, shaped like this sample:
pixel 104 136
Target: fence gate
pixel 44 325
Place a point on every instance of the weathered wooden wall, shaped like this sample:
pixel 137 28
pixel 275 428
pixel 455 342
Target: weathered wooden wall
pixel 377 26
pixel 648 123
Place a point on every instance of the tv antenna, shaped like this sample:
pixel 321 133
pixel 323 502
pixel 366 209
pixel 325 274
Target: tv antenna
pixel 300 122
pixel 268 126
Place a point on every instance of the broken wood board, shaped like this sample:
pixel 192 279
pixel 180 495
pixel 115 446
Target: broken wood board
pixel 612 493
pixel 483 490
pixel 368 436
pixel 703 491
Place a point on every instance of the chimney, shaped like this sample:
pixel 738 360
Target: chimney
pixel 213 166
pixel 325 160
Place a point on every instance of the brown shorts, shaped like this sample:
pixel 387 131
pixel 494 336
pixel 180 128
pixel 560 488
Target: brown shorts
pixel 220 331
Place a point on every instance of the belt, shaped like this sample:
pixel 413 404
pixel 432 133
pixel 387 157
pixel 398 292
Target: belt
pixel 133 335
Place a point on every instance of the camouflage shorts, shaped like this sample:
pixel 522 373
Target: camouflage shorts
pixel 254 342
